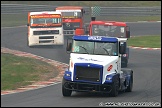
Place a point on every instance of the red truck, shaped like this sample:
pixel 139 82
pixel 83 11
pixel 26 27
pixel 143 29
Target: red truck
pixel 72 19
pixel 109 29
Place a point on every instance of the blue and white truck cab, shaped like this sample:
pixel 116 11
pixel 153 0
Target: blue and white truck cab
pixel 95 66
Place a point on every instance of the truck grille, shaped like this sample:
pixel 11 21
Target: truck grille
pixel 88 74
pixel 46 32
pixel 46 37
pixel 68 32
pixel 47 41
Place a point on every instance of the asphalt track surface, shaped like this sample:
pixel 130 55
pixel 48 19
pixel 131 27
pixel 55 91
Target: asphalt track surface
pixel 146 65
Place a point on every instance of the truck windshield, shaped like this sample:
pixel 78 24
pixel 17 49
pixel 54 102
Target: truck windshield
pixel 108 30
pixel 71 14
pixel 97 48
pixel 45 20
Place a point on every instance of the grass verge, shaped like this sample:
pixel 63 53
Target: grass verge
pixel 21 71
pixel 11 20
pixel 145 41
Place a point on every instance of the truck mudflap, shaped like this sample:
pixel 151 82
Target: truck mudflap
pixel 87 87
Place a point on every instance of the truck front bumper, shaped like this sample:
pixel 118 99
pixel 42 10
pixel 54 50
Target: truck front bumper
pixel 86 87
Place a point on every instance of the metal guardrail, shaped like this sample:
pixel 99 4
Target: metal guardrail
pixel 105 11
pixel 130 11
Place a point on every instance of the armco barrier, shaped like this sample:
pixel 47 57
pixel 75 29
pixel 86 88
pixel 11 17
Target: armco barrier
pixel 105 11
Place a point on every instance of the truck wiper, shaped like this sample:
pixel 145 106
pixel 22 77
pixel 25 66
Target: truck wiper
pixel 106 51
pixel 84 49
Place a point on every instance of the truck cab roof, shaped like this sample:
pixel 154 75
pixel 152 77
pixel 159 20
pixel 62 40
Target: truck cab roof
pixel 98 38
pixel 115 23
pixel 44 13
pixel 95 38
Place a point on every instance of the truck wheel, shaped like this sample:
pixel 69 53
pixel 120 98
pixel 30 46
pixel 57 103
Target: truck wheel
pixel 130 86
pixel 115 88
pixel 65 91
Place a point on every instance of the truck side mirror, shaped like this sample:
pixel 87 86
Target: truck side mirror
pixel 86 32
pixel 69 45
pixel 84 11
pixel 93 18
pixel 122 47
pixel 128 32
pixel 86 29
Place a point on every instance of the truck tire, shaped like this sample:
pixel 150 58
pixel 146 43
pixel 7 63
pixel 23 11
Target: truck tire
pixel 130 72
pixel 115 88
pixel 65 92
pixel 130 86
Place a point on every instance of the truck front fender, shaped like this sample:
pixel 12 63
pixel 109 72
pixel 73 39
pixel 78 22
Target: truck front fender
pixel 67 75
pixel 111 77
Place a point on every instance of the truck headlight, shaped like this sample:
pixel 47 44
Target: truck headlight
pixel 108 78
pixel 67 75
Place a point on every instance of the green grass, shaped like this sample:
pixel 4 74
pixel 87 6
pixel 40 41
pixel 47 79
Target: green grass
pixel 145 41
pixel 20 71
pixel 10 20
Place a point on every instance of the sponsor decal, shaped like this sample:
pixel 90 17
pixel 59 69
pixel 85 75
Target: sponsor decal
pixel 109 23
pixel 94 38
pixel 68 20
pixel 80 58
pixel 110 67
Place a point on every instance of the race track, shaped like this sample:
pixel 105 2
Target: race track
pixel 146 65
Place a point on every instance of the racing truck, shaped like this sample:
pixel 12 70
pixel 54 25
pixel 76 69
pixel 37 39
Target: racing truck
pixel 73 17
pixel 45 28
pixel 109 28
pixel 95 66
